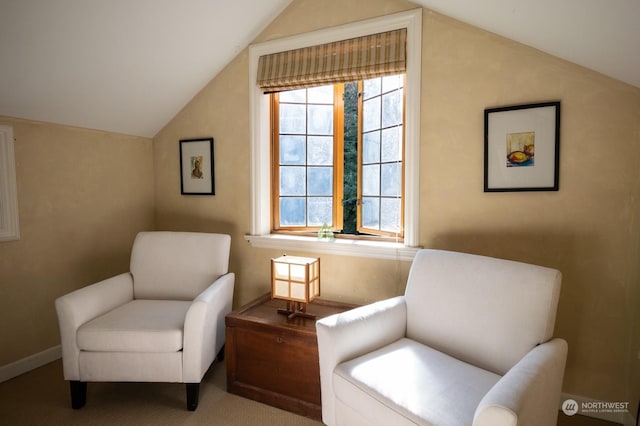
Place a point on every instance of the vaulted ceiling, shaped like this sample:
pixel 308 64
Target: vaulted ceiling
pixel 128 66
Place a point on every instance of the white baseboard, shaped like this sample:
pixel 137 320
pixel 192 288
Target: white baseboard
pixel 615 416
pixel 24 365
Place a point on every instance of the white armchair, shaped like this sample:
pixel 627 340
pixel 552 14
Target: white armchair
pixel 469 343
pixel 161 322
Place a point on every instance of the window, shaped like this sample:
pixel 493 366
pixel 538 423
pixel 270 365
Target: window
pixel 260 107
pixel 380 168
pixel 338 158
pixel 306 142
pixel 9 228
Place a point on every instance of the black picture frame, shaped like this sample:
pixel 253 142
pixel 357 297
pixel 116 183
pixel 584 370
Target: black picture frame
pixel 197 167
pixel 522 147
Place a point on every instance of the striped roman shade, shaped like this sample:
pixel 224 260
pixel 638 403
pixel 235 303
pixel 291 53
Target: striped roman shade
pixel 341 61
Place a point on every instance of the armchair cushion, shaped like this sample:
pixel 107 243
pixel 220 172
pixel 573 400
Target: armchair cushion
pixel 161 259
pixel 485 311
pixel 408 380
pixel 137 326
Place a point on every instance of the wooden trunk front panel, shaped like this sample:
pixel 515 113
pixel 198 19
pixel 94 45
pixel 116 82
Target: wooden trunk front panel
pixel 280 362
pixel 274 360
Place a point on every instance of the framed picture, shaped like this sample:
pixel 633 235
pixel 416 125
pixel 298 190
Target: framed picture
pixel 522 147
pixel 196 167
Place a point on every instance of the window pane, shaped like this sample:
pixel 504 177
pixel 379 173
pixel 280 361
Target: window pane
pixel 371 114
pixel 391 177
pixel 292 180
pixel 292 119
pixel 320 150
pixel 371 147
pixel 371 213
pixel 392 109
pixel 391 82
pixel 292 150
pixel 320 211
pixel 371 180
pixel 292 211
pixel 390 214
pixel 320 181
pixel 321 95
pixel 371 88
pixel 392 144
pixel 320 120
pixel 294 96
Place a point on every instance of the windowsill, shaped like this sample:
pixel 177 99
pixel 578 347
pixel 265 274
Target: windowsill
pixel 338 246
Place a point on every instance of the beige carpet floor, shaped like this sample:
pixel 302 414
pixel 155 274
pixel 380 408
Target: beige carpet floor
pixel 41 397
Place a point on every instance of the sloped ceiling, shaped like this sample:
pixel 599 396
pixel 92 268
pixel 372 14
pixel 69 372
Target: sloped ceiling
pixel 603 35
pixel 128 66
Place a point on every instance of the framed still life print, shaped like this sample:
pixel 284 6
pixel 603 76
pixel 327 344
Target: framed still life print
pixel 196 167
pixel 522 147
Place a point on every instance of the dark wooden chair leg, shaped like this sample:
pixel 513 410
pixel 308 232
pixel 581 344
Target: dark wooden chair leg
pixel 220 356
pixel 78 394
pixel 193 394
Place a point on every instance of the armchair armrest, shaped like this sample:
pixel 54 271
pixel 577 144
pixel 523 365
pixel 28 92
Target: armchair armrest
pixel 347 335
pixel 83 305
pixel 204 327
pixel 530 392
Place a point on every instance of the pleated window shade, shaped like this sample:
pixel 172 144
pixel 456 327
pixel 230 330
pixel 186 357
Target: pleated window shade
pixel 354 59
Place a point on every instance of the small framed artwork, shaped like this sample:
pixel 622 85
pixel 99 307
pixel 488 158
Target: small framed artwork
pixel 522 147
pixel 196 167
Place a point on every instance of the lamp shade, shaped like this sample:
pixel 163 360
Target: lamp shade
pixel 295 278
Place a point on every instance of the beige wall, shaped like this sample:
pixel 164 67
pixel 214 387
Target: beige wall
pixel 82 196
pixel 588 229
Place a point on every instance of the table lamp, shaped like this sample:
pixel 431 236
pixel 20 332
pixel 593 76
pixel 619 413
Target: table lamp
pixel 296 280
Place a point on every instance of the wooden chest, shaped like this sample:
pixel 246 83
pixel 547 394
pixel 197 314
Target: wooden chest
pixel 274 360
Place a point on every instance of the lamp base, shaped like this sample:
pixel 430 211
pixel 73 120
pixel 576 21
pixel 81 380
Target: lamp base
pixel 296 309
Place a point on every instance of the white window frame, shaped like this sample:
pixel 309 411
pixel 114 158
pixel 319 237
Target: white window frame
pixel 9 226
pixel 261 142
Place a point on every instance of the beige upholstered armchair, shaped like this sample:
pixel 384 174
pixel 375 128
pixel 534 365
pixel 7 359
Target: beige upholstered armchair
pixel 161 322
pixel 469 343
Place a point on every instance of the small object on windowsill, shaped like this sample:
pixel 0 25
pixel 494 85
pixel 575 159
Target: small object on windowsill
pixel 297 281
pixel 325 233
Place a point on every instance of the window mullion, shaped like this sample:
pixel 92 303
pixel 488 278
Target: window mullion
pixel 360 157
pixel 338 155
pixel 275 161
pixel 306 161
